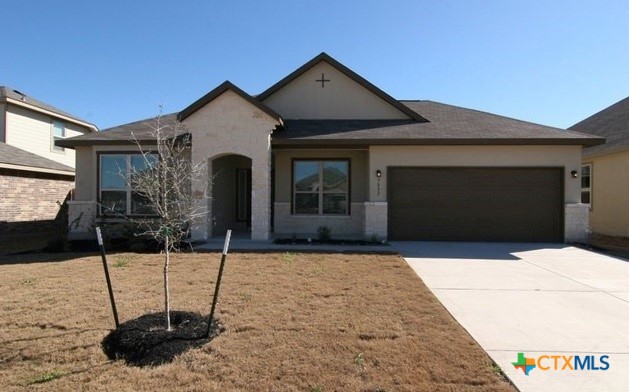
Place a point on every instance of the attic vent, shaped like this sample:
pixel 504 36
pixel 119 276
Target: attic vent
pixel 22 95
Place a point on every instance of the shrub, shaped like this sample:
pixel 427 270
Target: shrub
pixel 324 233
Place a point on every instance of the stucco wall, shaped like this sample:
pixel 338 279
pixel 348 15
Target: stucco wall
pixel 3 107
pixel 341 98
pixel 359 161
pixel 287 224
pixel 32 131
pixel 231 125
pixel 568 157
pixel 609 212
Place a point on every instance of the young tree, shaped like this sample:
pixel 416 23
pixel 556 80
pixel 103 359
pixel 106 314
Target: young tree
pixel 161 182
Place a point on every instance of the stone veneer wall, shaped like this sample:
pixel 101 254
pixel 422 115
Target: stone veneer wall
pixel 576 228
pixel 32 212
pixel 376 219
pixel 343 227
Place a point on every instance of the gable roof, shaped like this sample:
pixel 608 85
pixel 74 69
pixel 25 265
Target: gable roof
pixel 347 72
pixel 612 123
pixel 218 91
pixel 447 125
pixel 9 95
pixel 15 158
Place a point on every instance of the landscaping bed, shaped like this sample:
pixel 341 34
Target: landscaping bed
pixel 290 322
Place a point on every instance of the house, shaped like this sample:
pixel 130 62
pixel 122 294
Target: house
pixel 605 170
pixel 325 147
pixel 35 175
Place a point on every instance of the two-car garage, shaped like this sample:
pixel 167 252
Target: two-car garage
pixel 476 203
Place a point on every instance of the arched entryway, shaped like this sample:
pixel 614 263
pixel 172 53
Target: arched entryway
pixel 230 200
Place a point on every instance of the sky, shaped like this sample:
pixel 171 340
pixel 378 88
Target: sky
pixel 553 62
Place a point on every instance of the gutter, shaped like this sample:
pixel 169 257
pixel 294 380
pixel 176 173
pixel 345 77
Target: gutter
pixel 35 169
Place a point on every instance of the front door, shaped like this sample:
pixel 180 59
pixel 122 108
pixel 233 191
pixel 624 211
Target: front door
pixel 243 196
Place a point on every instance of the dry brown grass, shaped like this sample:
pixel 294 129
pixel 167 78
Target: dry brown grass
pixel 294 322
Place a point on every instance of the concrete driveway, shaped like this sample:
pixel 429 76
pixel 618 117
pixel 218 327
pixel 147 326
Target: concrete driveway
pixel 536 299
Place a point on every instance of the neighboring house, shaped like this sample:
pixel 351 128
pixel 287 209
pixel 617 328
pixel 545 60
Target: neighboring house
pixel 35 175
pixel 325 147
pixel 605 170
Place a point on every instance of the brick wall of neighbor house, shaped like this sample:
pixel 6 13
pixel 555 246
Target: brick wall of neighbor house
pixel 31 213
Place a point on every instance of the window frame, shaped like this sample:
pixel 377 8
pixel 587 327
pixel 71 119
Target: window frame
pixel 128 189
pixel 587 189
pixel 321 192
pixel 54 137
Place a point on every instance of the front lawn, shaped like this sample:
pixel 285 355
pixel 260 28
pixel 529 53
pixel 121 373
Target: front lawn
pixel 294 322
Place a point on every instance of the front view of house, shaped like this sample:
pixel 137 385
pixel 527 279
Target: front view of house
pixel 325 147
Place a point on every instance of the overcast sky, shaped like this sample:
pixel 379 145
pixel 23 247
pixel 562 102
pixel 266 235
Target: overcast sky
pixel 553 62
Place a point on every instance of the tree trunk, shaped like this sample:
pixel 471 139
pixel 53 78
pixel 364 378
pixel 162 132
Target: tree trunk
pixel 166 292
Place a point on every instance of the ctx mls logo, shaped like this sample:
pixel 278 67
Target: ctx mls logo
pixel 561 362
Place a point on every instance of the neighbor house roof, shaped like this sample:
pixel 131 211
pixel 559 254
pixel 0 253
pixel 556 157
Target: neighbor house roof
pixel 129 133
pixel 15 158
pixel 612 123
pixel 218 91
pixel 15 97
pixel 447 124
pixel 347 72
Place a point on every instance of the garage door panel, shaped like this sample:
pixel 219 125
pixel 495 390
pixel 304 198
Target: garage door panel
pixel 476 204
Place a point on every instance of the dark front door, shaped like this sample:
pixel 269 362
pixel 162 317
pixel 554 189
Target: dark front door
pixel 243 196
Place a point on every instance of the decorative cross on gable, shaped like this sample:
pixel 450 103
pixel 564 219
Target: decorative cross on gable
pixel 322 80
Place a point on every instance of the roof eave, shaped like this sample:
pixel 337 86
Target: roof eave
pixel 60 116
pixel 607 151
pixel 69 143
pixel 36 169
pixel 436 141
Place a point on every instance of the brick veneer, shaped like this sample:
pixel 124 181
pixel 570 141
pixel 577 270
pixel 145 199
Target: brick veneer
pixel 31 213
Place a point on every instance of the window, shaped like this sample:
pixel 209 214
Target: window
pixel 58 132
pixel 586 184
pixel 321 187
pixel 117 196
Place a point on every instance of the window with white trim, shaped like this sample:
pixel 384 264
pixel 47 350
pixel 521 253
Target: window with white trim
pixel 116 194
pixel 58 132
pixel 586 184
pixel 321 187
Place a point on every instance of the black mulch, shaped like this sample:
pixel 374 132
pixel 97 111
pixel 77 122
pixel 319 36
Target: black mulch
pixel 145 341
pixel 300 241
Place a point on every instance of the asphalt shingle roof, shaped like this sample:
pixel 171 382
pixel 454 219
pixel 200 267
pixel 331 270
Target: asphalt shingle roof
pixel 446 124
pixel 122 134
pixel 16 156
pixel 612 123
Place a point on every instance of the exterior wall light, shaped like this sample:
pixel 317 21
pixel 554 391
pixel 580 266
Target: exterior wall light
pixel 574 174
pixel 378 173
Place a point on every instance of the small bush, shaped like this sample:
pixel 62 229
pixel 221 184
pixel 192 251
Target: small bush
pixel 324 233
pixel 45 377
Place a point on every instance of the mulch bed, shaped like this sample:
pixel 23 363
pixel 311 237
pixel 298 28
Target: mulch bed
pixel 144 341
pixel 289 241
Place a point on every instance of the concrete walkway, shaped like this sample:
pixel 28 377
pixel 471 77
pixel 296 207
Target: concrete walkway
pixel 538 299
